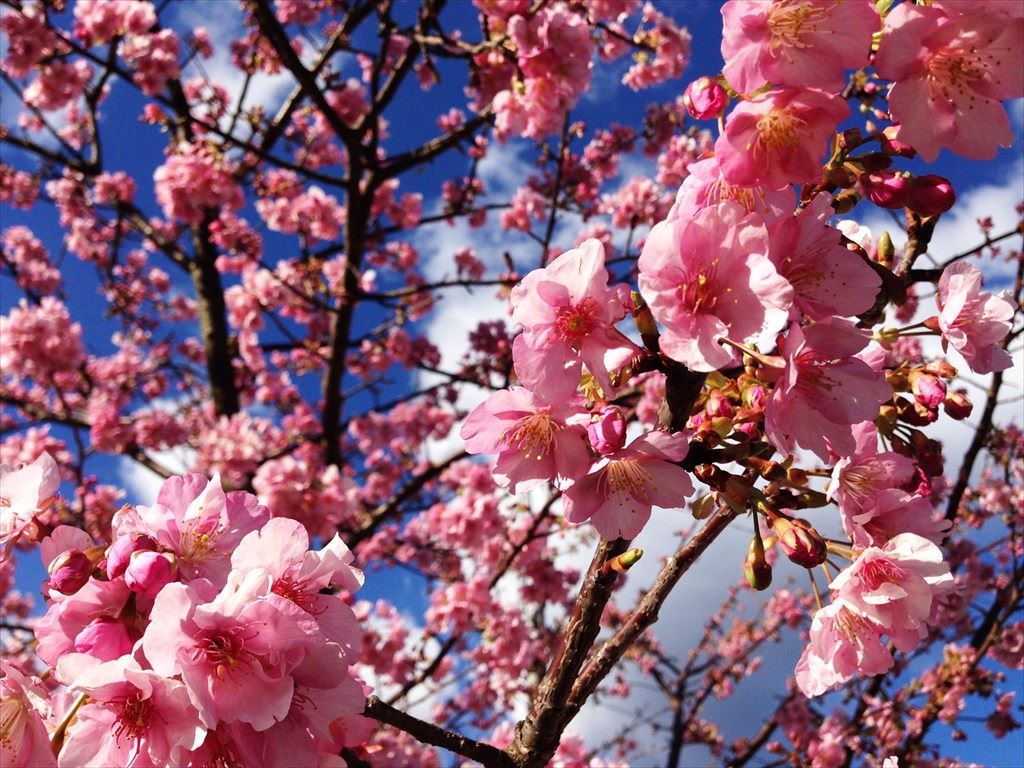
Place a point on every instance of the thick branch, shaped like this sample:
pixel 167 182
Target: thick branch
pixel 646 612
pixel 538 735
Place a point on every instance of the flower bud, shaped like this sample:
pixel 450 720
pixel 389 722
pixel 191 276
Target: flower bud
pixel 755 568
pixel 957 406
pixel 886 189
pixel 893 146
pixel 149 572
pixel 802 544
pixel 930 391
pixel 705 98
pixel 106 638
pixel 755 396
pixel 930 195
pixel 607 431
pixel 119 553
pixel 69 571
pixel 718 405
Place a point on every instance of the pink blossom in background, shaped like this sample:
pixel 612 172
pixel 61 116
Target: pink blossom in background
pixel 779 138
pixel 618 497
pixel 24 492
pixel 971 321
pixel 536 440
pixel 806 43
pixel 951 70
pixel 709 278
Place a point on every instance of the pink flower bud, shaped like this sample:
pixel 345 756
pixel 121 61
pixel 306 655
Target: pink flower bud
pixel 719 406
pixel 119 553
pixel 930 391
pixel 886 189
pixel 930 195
pixel 608 433
pixel 106 638
pixel 149 572
pixel 69 571
pixel 755 397
pixel 756 568
pixel 705 98
pixel 802 544
pixel 893 146
pixel 957 406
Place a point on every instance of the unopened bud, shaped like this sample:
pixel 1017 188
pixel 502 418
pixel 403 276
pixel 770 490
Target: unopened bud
pixel 105 638
pixel 607 430
pixel 718 405
pixel 703 507
pixel 802 544
pixel 623 562
pixel 940 368
pixel 957 406
pixel 755 568
pixel 930 195
pixel 885 250
pixel 69 571
pixel 119 553
pixel 149 572
pixel 930 391
pixel 645 322
pixel 886 189
pixel 705 98
pixel 755 396
pixel 893 146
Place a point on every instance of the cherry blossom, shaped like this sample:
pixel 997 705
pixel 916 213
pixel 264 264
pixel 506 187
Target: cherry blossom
pixel 973 322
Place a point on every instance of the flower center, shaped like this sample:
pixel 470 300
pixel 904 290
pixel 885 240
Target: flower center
pixel 626 475
pixel 778 129
pixel 850 624
pixel 699 291
pixel 533 435
pixel 576 322
pixel 224 650
pixel 787 22
pixel 13 721
pixel 134 718
pixel 874 573
pixel 298 593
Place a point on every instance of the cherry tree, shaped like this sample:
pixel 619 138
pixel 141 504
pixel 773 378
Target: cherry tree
pixel 349 352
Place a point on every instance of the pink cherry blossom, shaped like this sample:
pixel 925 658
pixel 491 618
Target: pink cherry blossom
pixel 567 312
pixel 950 73
pixel 194 519
pixel 93 621
pixel 827 278
pixel 823 390
pixel 894 586
pixel 890 512
pixel 709 278
pixel 281 547
pixel 133 717
pixel 972 321
pixel 705 187
pixel 24 705
pixel 618 497
pixel 806 43
pixel 778 138
pixel 866 471
pixel 24 493
pixel 842 643
pixel 235 653
pixel 536 440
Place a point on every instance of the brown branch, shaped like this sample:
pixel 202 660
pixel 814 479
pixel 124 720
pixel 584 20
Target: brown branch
pixel 646 611
pixel 428 733
pixel 537 736
pixel 933 274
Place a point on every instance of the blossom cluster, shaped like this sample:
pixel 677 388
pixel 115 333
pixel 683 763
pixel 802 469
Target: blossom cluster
pixel 743 274
pixel 206 631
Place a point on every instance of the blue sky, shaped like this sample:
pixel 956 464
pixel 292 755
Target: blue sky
pixel 138 149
